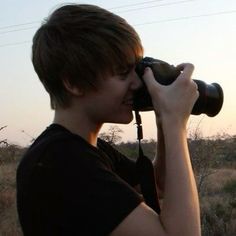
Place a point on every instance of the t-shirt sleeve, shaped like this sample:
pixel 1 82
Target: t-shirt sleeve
pixel 92 199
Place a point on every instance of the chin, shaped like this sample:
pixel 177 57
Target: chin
pixel 126 119
pixel 123 119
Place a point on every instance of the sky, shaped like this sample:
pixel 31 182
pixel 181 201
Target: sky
pixel 202 32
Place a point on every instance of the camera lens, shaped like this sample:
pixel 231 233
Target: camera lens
pixel 210 99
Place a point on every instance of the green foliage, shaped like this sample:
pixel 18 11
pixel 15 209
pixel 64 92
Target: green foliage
pixel 129 149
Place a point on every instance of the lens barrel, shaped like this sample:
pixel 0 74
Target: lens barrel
pixel 210 98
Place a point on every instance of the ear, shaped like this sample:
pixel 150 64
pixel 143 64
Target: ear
pixel 72 89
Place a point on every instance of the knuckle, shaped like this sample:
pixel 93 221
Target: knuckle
pixel 190 66
pixel 195 85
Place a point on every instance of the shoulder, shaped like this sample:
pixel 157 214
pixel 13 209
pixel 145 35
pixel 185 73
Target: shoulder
pixel 58 148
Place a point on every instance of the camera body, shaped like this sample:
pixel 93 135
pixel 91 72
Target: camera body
pixel 210 98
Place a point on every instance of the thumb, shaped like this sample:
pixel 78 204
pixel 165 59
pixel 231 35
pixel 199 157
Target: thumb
pixel 150 81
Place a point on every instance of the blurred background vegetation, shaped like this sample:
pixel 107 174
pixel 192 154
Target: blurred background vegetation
pixel 214 164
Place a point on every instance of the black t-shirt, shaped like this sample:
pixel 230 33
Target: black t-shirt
pixel 65 186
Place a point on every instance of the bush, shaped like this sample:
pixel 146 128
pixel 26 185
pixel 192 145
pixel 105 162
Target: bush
pixel 218 218
pixel 230 187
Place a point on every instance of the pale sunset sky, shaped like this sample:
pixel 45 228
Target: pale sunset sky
pixel 202 32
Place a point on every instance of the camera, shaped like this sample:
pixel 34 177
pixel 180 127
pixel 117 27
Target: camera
pixel 210 98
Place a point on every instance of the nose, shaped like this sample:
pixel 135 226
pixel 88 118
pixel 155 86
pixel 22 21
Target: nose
pixel 136 81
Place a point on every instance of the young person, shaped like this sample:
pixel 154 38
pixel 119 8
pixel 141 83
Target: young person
pixel 69 182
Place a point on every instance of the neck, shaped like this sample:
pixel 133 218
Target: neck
pixel 79 124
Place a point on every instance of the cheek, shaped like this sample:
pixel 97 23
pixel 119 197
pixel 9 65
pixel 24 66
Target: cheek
pixel 113 96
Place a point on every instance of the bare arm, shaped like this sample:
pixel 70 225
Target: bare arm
pixel 172 107
pixel 180 208
pixel 180 204
pixel 159 162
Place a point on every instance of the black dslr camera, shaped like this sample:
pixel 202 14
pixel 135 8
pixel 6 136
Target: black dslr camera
pixel 210 98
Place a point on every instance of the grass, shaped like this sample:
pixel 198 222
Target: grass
pixel 9 224
pixel 218 204
pixel 215 182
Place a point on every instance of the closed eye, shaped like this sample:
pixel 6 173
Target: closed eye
pixel 124 73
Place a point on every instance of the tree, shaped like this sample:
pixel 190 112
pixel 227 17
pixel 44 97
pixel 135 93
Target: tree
pixel 4 141
pixel 203 156
pixel 112 136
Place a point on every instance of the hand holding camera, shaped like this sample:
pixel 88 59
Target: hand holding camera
pixel 175 100
pixel 210 98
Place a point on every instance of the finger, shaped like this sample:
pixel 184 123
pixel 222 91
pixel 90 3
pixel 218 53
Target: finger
pixel 196 85
pixel 186 68
pixel 150 80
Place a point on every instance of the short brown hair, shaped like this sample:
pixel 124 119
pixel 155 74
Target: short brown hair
pixel 81 43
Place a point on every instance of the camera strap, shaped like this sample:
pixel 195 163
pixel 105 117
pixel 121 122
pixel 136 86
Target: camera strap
pixel 146 172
